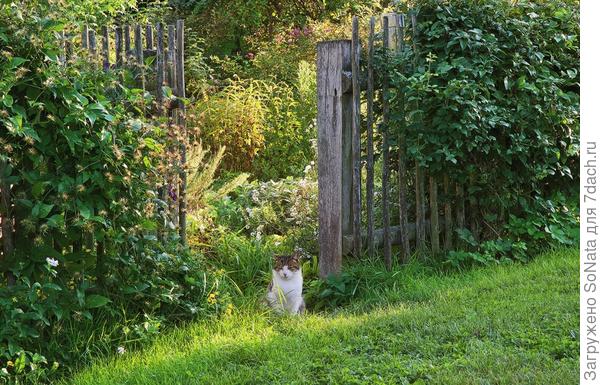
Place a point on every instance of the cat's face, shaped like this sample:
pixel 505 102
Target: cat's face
pixel 287 266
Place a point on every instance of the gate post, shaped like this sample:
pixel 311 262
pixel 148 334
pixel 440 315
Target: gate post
pixel 334 129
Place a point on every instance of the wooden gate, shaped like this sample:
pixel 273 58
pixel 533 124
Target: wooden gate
pixel 340 83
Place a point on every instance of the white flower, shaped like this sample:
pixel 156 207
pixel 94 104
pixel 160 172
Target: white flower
pixel 121 350
pixel 52 262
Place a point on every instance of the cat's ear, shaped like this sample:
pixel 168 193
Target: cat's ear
pixel 297 255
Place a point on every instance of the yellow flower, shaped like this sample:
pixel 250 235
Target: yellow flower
pixel 212 298
pixel 229 309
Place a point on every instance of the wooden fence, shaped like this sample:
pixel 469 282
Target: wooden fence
pixel 131 53
pixel 122 49
pixel 341 83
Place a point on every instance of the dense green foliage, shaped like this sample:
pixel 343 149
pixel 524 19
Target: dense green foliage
pixel 82 164
pixel 504 325
pixel 490 97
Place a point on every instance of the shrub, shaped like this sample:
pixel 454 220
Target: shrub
pixel 81 166
pixel 492 99
pixel 261 126
pixel 287 208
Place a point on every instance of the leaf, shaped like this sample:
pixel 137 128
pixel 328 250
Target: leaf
pixel 56 221
pixel 17 61
pixel 8 100
pixel 95 300
pixel 85 211
pixel 41 210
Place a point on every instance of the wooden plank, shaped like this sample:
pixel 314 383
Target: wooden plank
pixel 180 80
pixel 402 171
pixel 434 215
pixel 330 64
pixel 105 45
pixel 92 42
pixel 171 82
pixel 473 207
pixel 370 150
pixel 385 152
pixel 392 35
pixel 149 37
pixel 420 204
pixel 6 219
pixel 62 55
pixel 119 46
pixel 160 111
pixel 93 48
pixel 356 177
pixel 139 57
pixel 419 172
pixel 160 69
pixel 347 174
pixel 447 214
pixel 460 206
pixel 347 240
pixel 127 38
pixel 85 37
pixel 171 57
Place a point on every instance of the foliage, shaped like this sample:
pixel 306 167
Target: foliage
pixel 285 208
pixel 259 122
pixel 335 291
pixel 228 23
pixel 82 165
pixel 493 105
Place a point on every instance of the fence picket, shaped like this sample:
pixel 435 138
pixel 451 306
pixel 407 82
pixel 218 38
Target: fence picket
pixel 460 206
pixel 180 79
pixel 85 37
pixel 139 58
pixel 387 246
pixel 370 152
pixel 127 38
pixel 356 177
pixel 402 172
pixel 447 214
pixel 434 214
pixel 149 40
pixel 105 45
pixel 119 46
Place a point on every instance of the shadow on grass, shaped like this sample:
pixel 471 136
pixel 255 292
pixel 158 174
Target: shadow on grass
pixel 498 326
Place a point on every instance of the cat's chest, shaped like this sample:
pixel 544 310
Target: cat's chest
pixel 287 287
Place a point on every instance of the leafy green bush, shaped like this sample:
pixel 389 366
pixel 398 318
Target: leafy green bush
pixel 262 126
pixel 286 208
pixel 492 100
pixel 81 166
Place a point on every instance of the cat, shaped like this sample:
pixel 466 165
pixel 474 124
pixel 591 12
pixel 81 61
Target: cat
pixel 285 290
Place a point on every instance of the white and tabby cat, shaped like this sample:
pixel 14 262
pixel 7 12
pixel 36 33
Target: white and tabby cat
pixel 285 290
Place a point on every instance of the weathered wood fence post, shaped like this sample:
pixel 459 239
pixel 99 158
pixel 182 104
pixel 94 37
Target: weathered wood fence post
pixel 180 92
pixel 370 149
pixel 385 153
pixel 333 58
pixel 356 174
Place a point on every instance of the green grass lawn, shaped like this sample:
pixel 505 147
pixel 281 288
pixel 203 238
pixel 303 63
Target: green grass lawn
pixel 514 324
